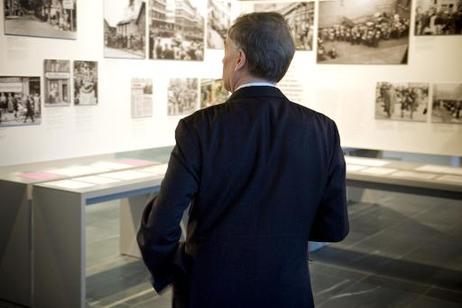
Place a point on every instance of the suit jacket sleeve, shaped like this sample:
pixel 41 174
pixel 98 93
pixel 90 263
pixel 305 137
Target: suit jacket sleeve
pixel 160 230
pixel 331 221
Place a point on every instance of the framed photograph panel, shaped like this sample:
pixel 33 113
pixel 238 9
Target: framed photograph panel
pixel 52 18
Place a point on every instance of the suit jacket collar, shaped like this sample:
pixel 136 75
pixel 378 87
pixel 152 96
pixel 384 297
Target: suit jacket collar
pixel 256 91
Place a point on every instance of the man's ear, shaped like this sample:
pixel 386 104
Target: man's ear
pixel 241 60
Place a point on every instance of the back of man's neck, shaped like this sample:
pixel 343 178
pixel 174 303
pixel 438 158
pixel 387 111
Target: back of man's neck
pixel 251 82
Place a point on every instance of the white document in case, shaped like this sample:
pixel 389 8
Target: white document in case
pixel 440 169
pixel 105 166
pixel 451 178
pixel 73 170
pixel 413 175
pixel 97 180
pixel 70 184
pixel 354 168
pixel 157 169
pixel 126 175
pixel 370 162
pixel 378 171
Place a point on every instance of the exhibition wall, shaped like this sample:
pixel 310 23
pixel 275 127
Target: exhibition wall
pixel 345 91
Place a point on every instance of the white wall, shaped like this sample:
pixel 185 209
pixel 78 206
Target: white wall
pixel 344 92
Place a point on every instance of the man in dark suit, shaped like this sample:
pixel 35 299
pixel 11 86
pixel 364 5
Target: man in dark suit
pixel 262 176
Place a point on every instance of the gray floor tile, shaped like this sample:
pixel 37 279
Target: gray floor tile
pixel 440 251
pixel 445 294
pixel 389 243
pixel 367 295
pixel 430 302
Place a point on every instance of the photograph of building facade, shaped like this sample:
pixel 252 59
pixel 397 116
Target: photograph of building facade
pixel 176 30
pixel 19 101
pixel 218 22
pixel 438 17
pixel 212 92
pixel 299 16
pixel 125 29
pixel 57 74
pixel 363 32
pixel 43 18
pixel 402 101
pixel 447 103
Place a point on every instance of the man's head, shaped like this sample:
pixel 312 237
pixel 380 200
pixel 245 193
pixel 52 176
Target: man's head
pixel 259 47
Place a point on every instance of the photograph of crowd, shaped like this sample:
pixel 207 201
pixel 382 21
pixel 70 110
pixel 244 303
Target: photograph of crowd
pixel 176 30
pixel 438 17
pixel 218 21
pixel 299 16
pixel 141 98
pixel 402 101
pixel 363 32
pixel 212 92
pixel 124 29
pixel 20 101
pixel 43 18
pixel 85 82
pixel 57 79
pixel 447 103
pixel 182 96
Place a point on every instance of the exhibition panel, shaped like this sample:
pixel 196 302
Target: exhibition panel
pixel 104 95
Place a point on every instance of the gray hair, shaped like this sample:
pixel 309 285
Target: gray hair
pixel 267 43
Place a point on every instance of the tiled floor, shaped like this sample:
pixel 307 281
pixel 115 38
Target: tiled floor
pixel 402 251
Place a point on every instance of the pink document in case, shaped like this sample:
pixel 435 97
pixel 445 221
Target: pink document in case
pixel 40 176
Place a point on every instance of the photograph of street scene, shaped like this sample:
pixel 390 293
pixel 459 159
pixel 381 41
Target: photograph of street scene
pixel 182 96
pixel 363 32
pixel 402 101
pixel 124 29
pixel 20 101
pixel 299 16
pixel 212 92
pixel 447 103
pixel 218 22
pixel 85 83
pixel 57 79
pixel 176 30
pixel 438 17
pixel 43 18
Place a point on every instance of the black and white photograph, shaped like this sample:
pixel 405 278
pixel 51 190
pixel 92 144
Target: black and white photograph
pixel 183 95
pixel 363 32
pixel 218 22
pixel 438 17
pixel 20 101
pixel 447 103
pixel 176 29
pixel 299 16
pixel 57 79
pixel 141 98
pixel 42 18
pixel 402 101
pixel 85 83
pixel 125 29
pixel 213 92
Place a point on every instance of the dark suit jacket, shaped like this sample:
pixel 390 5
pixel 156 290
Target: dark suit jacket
pixel 263 176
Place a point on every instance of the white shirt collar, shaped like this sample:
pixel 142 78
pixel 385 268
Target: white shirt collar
pixel 256 84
